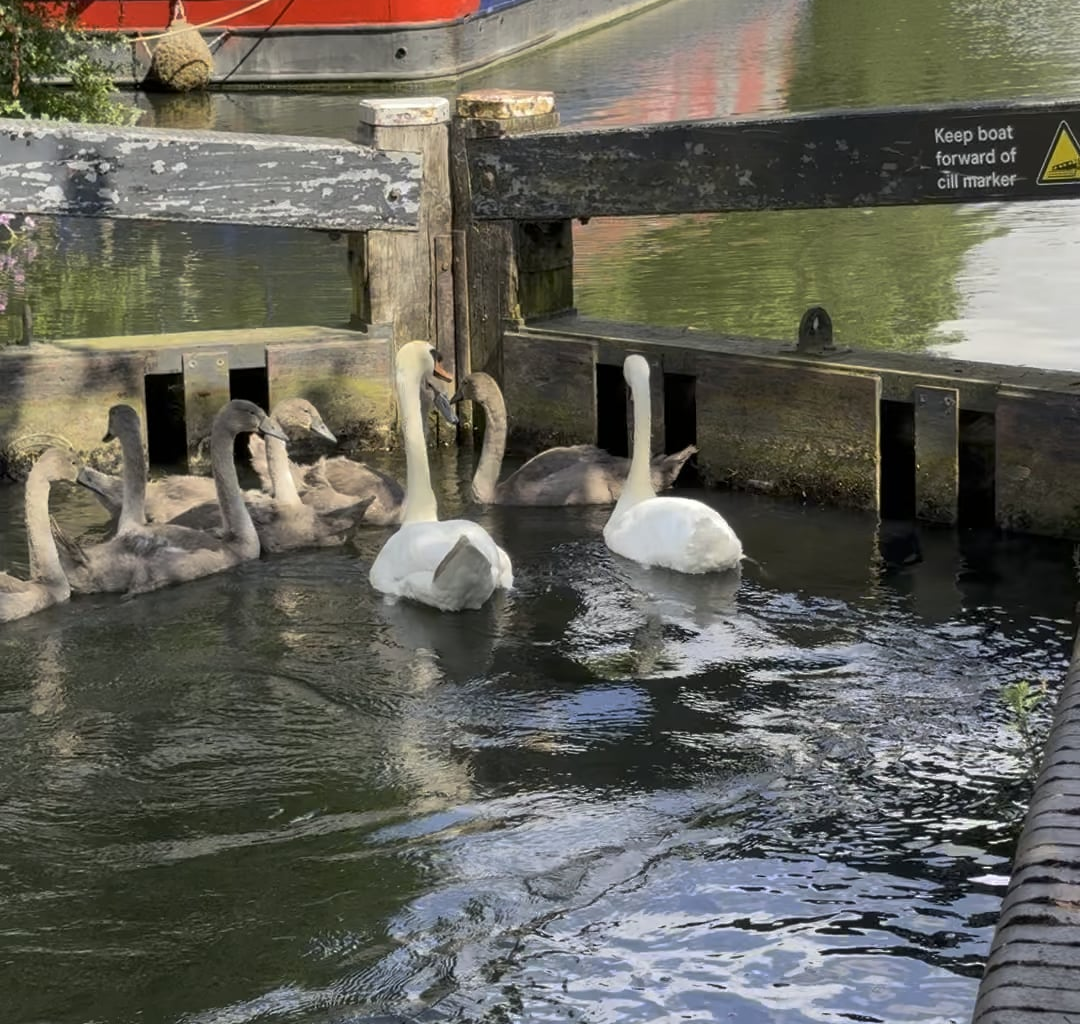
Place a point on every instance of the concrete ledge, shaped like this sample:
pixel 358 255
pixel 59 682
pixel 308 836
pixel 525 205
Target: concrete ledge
pixel 60 393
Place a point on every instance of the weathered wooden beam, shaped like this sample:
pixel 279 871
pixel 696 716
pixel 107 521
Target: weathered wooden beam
pixel 1037 472
pixel 977 383
pixel 491 292
pixel 51 396
pixel 937 453
pixel 350 380
pixel 392 272
pixel 793 431
pixel 550 392
pixel 217 177
pixel 973 153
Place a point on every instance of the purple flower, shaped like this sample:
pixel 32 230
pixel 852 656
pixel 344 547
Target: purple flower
pixel 29 223
pixel 6 218
pixel 20 277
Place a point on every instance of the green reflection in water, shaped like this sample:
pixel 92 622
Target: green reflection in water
pixel 887 276
pixel 852 53
pixel 102 278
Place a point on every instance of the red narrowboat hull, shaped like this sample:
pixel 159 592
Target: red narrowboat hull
pixel 298 42
pixel 153 15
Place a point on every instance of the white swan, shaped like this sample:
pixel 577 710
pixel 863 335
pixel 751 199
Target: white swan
pixel 450 565
pixel 673 533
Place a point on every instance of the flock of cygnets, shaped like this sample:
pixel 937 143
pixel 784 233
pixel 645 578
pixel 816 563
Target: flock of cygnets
pixel 181 528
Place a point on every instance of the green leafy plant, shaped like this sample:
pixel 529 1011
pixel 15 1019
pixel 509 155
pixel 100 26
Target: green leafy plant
pixel 42 46
pixel 1022 700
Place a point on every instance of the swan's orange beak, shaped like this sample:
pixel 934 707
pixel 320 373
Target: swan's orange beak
pixel 439 371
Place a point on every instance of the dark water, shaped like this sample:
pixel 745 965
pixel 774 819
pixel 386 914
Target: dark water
pixel 990 282
pixel 615 795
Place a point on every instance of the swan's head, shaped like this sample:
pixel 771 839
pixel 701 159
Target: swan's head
pixel 301 414
pixel 418 362
pixel 241 416
pixel 475 388
pixel 57 464
pixel 636 371
pixel 123 421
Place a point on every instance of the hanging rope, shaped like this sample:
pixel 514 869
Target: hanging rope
pixel 139 38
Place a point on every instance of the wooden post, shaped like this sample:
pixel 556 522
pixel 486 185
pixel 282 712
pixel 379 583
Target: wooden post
pixel 206 390
pixel 395 276
pixel 505 272
pixel 937 453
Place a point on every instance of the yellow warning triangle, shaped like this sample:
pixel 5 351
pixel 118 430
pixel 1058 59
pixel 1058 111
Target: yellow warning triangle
pixel 1062 163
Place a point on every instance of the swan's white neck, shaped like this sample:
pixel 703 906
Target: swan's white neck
pixel 281 479
pixel 638 486
pixel 420 504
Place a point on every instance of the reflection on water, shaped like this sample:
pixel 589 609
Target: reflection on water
pixel 982 283
pixel 615 795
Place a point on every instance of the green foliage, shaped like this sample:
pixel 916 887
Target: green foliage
pixel 1023 700
pixel 41 43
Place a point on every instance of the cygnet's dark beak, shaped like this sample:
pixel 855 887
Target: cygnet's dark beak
pixel 442 403
pixel 268 428
pixel 320 428
pixel 109 436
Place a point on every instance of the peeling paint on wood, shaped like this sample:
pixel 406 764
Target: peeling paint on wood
pixel 975 153
pixel 216 177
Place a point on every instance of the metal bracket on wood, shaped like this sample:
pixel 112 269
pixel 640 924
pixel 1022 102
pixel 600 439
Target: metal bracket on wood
pixel 816 333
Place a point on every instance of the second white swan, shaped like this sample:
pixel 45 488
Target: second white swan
pixel 673 533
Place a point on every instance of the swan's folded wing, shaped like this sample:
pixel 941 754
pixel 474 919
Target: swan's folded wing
pixel 174 537
pixel 348 477
pixel 556 460
pixel 71 552
pixel 206 517
pixel 13 585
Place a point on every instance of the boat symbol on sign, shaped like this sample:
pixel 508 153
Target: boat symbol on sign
pixel 1062 163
